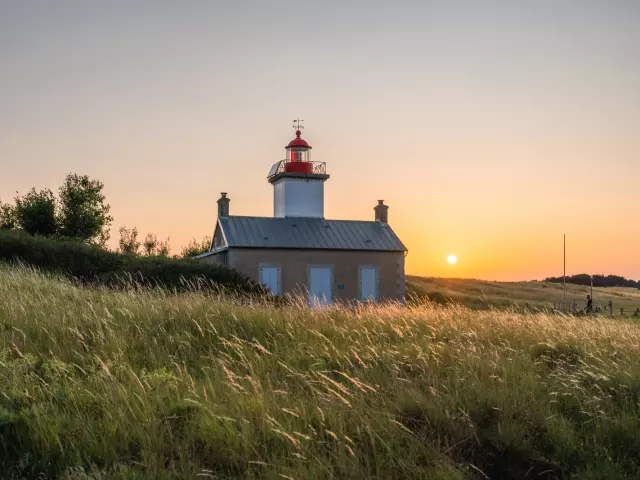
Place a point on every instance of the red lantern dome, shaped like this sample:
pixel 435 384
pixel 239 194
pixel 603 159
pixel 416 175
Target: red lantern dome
pixel 298 142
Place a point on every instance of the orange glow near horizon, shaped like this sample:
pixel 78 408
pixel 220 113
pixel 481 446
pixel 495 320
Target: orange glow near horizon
pixel 484 137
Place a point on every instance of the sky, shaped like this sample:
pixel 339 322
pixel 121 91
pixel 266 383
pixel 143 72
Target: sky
pixel 490 128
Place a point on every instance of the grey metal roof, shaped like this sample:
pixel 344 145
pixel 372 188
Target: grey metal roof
pixel 312 233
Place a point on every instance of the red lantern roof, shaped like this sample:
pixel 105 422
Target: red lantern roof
pixel 298 142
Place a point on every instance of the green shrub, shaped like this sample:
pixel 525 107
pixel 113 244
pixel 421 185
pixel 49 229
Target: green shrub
pixel 91 264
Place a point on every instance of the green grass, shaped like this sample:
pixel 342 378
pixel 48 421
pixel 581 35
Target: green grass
pixel 485 294
pixel 99 384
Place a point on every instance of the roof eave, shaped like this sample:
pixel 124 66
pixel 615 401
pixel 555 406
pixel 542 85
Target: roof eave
pixel 210 252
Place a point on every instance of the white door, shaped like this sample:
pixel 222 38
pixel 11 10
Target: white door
pixel 368 284
pixel 270 277
pixel 319 285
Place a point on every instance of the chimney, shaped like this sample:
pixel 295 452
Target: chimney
pixel 381 212
pixel 223 205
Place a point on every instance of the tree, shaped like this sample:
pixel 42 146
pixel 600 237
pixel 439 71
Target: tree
pixel 163 249
pixel 149 245
pixel 8 220
pixel 194 248
pixel 35 212
pixel 128 242
pixel 153 247
pixel 83 215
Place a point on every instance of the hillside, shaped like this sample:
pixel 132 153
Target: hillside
pixel 482 294
pixel 103 384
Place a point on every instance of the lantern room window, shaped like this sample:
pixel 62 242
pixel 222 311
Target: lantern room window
pixel 298 155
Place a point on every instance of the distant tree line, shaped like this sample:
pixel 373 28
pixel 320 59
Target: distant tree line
pixel 80 212
pixel 598 280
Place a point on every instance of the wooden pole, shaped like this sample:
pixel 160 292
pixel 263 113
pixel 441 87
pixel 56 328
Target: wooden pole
pixel 564 275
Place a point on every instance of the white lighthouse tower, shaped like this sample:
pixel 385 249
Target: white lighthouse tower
pixel 298 183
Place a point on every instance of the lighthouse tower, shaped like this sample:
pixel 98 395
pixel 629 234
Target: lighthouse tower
pixel 298 183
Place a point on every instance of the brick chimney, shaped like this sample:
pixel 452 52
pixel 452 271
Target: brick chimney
pixel 223 205
pixel 381 212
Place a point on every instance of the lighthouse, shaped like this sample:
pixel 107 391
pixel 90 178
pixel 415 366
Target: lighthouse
pixel 298 251
pixel 298 183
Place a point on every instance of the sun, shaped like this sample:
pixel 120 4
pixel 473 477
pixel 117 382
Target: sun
pixel 452 259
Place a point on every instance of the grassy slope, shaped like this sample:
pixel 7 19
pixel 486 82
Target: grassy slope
pixel 106 385
pixel 481 293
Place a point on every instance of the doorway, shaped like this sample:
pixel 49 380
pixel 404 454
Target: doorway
pixel 368 284
pixel 320 280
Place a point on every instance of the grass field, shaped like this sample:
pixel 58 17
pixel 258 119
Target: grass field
pixel 98 384
pixel 483 294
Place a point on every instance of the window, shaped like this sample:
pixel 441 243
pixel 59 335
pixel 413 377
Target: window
pixel 270 278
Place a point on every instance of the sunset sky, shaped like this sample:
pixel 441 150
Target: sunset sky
pixel 491 128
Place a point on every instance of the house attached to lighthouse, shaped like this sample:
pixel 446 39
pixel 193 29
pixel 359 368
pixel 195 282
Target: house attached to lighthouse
pixel 299 252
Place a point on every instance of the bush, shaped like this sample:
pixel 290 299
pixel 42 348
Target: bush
pixel 91 264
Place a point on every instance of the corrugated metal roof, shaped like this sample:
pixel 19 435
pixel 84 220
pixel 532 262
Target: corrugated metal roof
pixel 312 233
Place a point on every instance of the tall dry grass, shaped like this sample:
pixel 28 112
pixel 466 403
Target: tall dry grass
pixel 102 384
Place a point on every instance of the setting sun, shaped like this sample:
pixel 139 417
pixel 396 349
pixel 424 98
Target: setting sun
pixel 452 259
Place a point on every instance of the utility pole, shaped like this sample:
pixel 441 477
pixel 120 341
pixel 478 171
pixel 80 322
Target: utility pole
pixel 564 275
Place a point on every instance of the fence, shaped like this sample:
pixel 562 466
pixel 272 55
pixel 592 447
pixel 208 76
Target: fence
pixel 581 307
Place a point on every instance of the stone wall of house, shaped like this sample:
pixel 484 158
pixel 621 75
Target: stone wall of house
pixel 294 269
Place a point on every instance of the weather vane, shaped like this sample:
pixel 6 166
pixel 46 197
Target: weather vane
pixel 297 124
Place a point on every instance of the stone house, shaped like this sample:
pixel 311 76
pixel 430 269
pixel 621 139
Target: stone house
pixel 299 252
